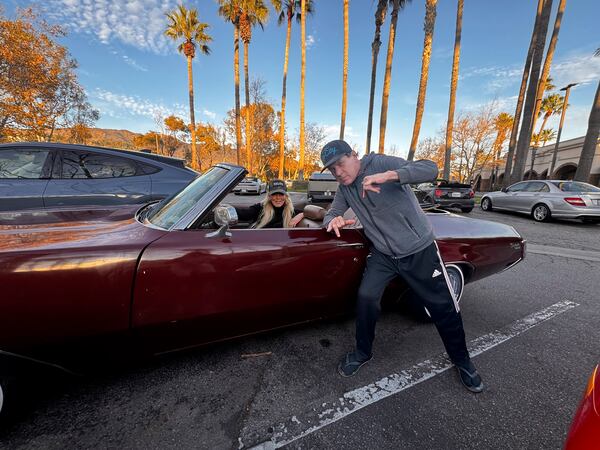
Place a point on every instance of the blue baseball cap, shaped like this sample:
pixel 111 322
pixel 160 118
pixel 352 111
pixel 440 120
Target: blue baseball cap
pixel 334 150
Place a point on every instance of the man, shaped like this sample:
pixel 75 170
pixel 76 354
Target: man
pixel 377 189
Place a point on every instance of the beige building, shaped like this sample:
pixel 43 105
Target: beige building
pixel 567 160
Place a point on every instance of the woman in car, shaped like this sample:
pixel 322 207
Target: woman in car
pixel 275 211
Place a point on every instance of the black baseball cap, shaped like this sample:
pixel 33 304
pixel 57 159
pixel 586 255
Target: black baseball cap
pixel 334 150
pixel 277 187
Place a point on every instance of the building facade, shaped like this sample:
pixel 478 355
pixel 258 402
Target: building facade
pixel 567 159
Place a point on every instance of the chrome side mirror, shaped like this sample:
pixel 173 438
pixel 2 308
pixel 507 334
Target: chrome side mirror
pixel 225 216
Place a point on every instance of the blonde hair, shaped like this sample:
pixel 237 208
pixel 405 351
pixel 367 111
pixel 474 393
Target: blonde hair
pixel 268 211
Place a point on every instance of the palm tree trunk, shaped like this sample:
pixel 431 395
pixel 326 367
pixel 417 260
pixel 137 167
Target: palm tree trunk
pixel 453 84
pixel 236 76
pixel 345 71
pixel 591 141
pixel 283 97
pixel 548 61
pixel 524 141
pixel 430 13
pixel 302 81
pixel 248 115
pixel 388 76
pixel 506 181
pixel 195 161
pixel 379 18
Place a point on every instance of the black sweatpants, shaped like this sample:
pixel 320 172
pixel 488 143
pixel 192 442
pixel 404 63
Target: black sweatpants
pixel 426 275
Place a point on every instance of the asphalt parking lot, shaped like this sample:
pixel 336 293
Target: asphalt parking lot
pixel 534 330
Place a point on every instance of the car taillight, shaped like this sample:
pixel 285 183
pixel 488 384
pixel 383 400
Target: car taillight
pixel 438 193
pixel 575 201
pixel 471 193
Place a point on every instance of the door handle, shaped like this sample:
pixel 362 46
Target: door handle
pixel 353 245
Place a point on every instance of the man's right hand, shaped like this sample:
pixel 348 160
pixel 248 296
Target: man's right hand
pixel 337 223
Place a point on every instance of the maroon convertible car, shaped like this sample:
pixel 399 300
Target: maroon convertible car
pixel 83 285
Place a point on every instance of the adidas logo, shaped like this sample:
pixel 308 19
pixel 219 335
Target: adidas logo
pixel 436 273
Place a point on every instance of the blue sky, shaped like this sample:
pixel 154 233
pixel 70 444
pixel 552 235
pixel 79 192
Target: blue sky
pixel 130 70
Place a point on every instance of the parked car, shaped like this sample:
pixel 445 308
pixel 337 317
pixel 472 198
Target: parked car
pixel 36 175
pixel 87 287
pixel 321 187
pixel 584 433
pixel 544 199
pixel 250 185
pixel 449 195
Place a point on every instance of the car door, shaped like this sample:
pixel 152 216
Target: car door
pixel 510 200
pixel 531 195
pixel 195 289
pixel 86 177
pixel 24 175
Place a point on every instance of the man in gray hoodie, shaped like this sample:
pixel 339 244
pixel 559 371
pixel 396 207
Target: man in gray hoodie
pixel 377 189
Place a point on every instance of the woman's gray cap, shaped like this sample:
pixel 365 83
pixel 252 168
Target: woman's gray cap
pixel 334 150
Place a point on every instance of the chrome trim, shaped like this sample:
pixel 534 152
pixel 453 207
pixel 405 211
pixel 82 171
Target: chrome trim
pixel 37 361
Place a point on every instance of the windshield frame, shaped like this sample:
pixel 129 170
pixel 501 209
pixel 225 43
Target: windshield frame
pixel 203 204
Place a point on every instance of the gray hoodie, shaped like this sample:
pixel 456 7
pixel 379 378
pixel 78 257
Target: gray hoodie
pixel 392 219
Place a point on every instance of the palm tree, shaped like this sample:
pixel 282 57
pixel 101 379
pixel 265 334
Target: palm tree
pixel 503 124
pixel 521 97
pixel 552 104
pixel 528 110
pixel 230 11
pixel 397 5
pixel 591 139
pixel 453 83
pixel 430 13
pixel 345 70
pixel 302 82
pixel 252 12
pixel 545 81
pixel 287 11
pixel 184 23
pixel 380 13
pixel 545 135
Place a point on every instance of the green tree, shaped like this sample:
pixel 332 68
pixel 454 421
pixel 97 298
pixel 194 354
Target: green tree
pixel 184 24
pixel 430 14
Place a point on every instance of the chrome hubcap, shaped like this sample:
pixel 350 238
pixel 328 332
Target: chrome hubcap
pixel 1 398
pixel 486 204
pixel 540 213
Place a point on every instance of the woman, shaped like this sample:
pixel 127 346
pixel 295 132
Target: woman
pixel 275 211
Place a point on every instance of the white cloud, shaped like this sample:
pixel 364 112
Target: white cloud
pixel 138 23
pixel 134 64
pixel 310 41
pixel 209 114
pixel 118 105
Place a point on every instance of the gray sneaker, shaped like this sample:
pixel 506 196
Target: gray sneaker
pixel 351 363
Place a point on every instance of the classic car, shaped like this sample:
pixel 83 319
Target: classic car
pixel 44 174
pixel 101 284
pixel 584 432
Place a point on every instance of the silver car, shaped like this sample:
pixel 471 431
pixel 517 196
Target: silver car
pixel 250 185
pixel 544 199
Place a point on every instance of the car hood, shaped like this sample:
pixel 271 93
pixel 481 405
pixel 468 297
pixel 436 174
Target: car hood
pixel 73 227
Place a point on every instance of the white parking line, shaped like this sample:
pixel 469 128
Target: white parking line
pixel 301 425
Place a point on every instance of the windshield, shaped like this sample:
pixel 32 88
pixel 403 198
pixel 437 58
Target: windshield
pixel 575 186
pixel 167 213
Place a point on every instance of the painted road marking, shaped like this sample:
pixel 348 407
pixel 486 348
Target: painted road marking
pixel 585 255
pixel 301 425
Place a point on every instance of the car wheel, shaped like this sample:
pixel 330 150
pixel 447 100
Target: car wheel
pixel 540 213
pixel 5 396
pixel 466 210
pixel 486 204
pixel 457 280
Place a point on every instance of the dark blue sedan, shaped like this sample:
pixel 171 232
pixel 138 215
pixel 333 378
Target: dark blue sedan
pixel 37 175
